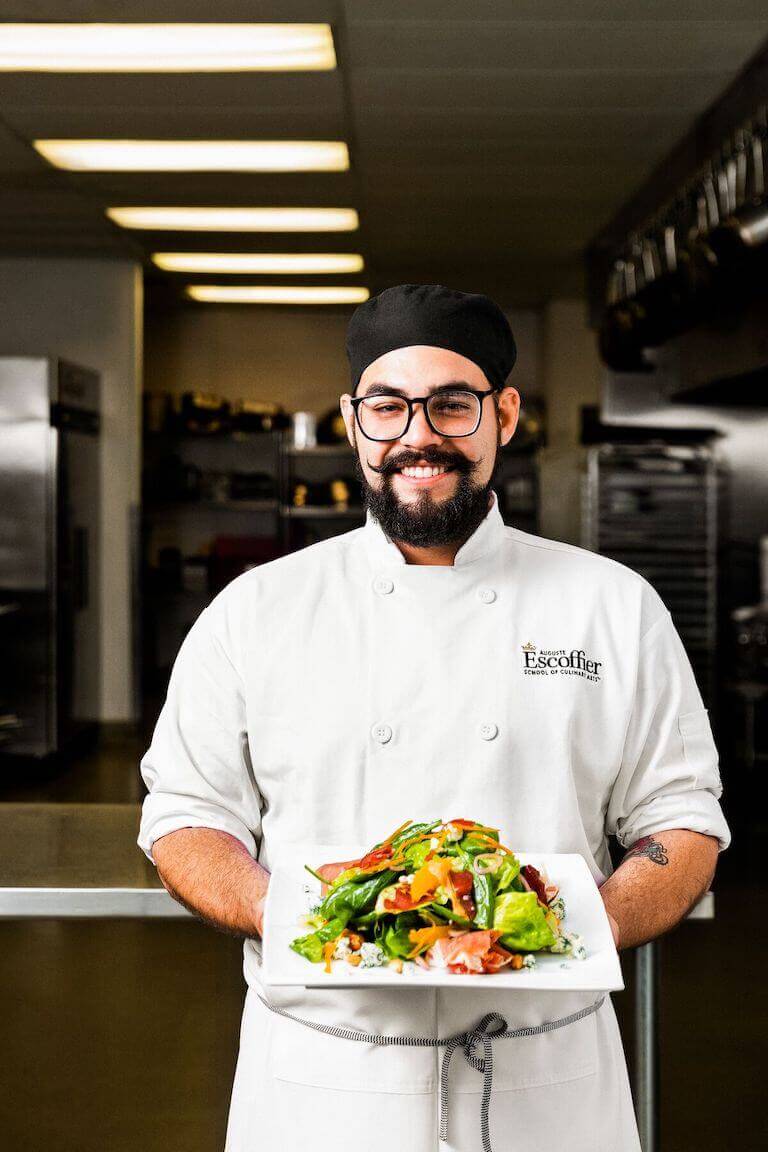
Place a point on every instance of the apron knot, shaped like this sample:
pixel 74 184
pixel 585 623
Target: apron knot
pixel 476 1036
pixel 491 1025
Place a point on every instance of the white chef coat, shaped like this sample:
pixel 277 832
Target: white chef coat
pixel 332 694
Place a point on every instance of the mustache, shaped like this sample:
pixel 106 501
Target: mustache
pixel 389 467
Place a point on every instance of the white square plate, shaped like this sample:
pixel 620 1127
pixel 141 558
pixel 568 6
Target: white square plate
pixel 292 890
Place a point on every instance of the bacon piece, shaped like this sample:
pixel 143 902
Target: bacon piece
pixel 534 880
pixel 462 884
pixel 467 949
pixel 376 856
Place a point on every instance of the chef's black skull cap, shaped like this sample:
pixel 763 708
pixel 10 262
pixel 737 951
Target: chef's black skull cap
pixel 407 314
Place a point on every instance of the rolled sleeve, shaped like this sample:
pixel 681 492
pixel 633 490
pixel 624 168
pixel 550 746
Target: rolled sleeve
pixel 198 768
pixel 669 775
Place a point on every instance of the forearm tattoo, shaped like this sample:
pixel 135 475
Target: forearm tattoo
pixel 650 848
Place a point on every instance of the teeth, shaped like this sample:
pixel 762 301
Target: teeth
pixel 421 472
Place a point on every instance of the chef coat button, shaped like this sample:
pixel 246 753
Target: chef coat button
pixel 383 585
pixel 382 733
pixel 489 731
pixel 486 595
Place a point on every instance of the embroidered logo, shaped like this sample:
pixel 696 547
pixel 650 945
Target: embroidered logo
pixel 558 662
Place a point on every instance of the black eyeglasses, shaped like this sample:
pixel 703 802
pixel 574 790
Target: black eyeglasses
pixel 457 412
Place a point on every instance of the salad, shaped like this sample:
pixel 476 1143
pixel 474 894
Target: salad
pixel 441 895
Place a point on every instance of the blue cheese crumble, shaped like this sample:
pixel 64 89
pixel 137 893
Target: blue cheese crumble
pixel 342 949
pixel 570 944
pixel 371 956
pixel 557 905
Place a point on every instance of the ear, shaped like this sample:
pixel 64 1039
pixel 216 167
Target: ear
pixel 348 415
pixel 508 411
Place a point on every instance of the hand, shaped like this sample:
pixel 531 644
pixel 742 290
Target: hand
pixel 259 914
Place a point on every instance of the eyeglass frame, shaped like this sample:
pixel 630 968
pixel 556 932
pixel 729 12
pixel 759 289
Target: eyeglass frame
pixel 356 401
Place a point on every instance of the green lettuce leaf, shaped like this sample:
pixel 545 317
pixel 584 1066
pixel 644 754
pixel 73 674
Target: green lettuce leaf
pixel 507 875
pixel 522 922
pixel 416 855
pixel 311 946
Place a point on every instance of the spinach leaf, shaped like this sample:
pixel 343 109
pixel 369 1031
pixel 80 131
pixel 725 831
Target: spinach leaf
pixel 367 920
pixel 414 830
pixel 484 886
pixel 473 844
pixel 448 914
pixel 394 937
pixel 354 898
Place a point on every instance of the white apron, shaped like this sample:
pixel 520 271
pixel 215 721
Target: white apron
pixel 333 694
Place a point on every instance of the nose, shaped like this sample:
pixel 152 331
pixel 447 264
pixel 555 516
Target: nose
pixel 419 432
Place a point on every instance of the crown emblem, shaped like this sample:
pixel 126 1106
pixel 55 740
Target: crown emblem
pixel 529 647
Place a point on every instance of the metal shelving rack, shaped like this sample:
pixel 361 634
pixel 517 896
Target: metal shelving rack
pixel 351 515
pixel 655 508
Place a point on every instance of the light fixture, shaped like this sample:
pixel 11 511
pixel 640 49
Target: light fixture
pixel 166 47
pixel 237 219
pixel 272 294
pixel 196 155
pixel 276 263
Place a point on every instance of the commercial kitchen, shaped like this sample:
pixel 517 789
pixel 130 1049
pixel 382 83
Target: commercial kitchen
pixel 193 205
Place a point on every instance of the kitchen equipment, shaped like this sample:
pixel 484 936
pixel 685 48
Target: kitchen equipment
pixel 258 416
pixel 331 428
pixel 203 414
pixel 49 560
pixel 304 427
pixel 654 507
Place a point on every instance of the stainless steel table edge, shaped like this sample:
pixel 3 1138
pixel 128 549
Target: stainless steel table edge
pixel 65 903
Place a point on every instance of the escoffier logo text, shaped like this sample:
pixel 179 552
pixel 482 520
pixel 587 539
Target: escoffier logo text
pixel 559 662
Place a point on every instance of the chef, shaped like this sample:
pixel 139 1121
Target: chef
pixel 434 663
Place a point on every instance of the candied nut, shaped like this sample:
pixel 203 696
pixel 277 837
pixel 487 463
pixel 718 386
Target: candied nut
pixel 355 941
pixel 396 964
pixel 517 962
pixel 354 959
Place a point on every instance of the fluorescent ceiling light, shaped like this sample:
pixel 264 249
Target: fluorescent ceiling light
pixel 267 294
pixel 165 47
pixel 277 263
pixel 237 219
pixel 196 155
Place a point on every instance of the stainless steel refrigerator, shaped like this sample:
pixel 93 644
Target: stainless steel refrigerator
pixel 49 554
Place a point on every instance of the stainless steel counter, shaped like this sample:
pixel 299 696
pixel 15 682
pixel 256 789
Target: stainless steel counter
pixel 77 860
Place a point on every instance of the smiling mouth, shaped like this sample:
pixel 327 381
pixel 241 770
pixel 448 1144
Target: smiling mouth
pixel 424 474
pixel 424 471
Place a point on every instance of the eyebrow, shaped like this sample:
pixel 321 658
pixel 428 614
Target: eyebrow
pixel 388 390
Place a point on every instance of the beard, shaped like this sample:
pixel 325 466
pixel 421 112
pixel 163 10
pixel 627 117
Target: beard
pixel 426 522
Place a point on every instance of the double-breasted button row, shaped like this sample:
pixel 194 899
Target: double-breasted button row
pixel 382 733
pixel 383 586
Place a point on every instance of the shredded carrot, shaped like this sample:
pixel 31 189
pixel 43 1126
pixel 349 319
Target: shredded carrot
pixel 328 951
pixel 425 938
pixel 427 878
pixel 396 832
pixel 490 840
